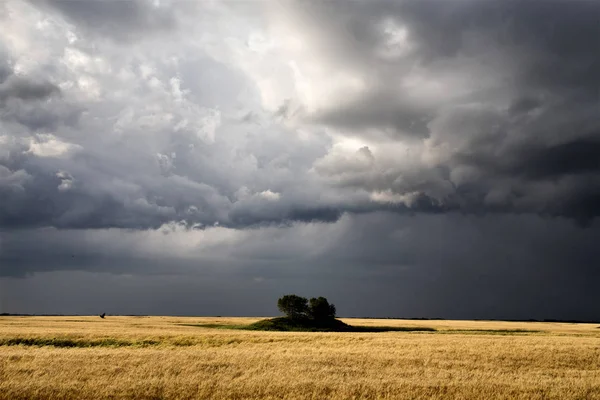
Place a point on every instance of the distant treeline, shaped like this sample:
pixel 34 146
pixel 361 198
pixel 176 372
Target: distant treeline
pixel 4 314
pixel 68 315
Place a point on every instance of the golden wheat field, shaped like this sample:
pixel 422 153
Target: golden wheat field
pixel 172 358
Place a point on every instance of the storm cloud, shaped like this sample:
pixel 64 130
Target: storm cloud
pixel 294 141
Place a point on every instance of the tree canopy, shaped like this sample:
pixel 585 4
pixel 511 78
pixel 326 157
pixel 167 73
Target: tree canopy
pixel 319 309
pixel 297 307
pixel 293 306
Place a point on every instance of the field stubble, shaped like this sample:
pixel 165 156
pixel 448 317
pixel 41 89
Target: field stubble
pixel 163 357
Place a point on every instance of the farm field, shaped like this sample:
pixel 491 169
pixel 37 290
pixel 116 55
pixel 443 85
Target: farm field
pixel 194 357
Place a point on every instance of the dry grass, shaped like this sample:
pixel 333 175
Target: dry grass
pixel 160 357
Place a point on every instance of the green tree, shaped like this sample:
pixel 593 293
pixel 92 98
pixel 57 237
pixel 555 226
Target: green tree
pixel 293 306
pixel 319 309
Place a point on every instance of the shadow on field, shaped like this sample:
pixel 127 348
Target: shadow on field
pixel 491 331
pixel 67 342
pixel 283 324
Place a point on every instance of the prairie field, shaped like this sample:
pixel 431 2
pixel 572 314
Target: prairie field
pixel 198 357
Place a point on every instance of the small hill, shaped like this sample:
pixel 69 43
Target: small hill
pixel 283 324
pixel 300 324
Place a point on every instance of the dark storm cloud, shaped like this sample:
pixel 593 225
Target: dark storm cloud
pixel 42 250
pixel 521 135
pixel 26 100
pixel 120 20
pixel 135 142
pixel 421 158
pixel 25 89
pixel 78 199
pixel 265 215
pixel 379 264
pixel 381 110
pixel 5 69
pixel 571 158
pixel 525 125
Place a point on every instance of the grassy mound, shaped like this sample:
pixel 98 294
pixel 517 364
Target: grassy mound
pixel 331 325
pixel 302 325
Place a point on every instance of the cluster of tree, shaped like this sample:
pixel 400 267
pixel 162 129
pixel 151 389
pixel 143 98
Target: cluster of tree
pixel 297 307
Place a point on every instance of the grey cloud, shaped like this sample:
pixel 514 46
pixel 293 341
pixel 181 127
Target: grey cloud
pixel 265 214
pixel 119 20
pixel 472 151
pixel 22 87
pixel 288 110
pixel 5 70
pixel 93 201
pixel 159 145
pixel 52 250
pixel 25 89
pixel 523 105
pixel 538 163
pixel 378 264
pixel 33 102
pixel 528 121
pixel 548 45
pixel 128 168
pixel 381 110
pixel 128 188
pixel 44 116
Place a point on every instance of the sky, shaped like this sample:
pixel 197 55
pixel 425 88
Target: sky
pixel 409 158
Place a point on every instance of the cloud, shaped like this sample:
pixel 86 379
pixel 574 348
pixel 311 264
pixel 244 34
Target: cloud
pixel 400 157
pixel 411 106
pixel 493 102
pixel 48 145
pixel 377 264
pixel 118 20
pixel 24 89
